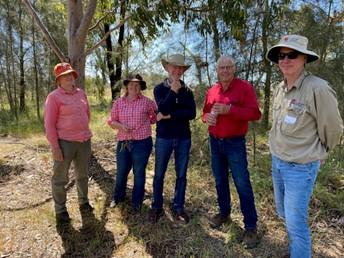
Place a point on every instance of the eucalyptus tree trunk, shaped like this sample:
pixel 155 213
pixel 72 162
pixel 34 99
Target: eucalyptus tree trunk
pixel 109 61
pixel 22 84
pixel 267 66
pixel 119 55
pixel 78 24
pixel 35 70
pixel 10 67
pixel 216 36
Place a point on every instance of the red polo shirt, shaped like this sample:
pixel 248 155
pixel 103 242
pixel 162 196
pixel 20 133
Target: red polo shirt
pixel 244 107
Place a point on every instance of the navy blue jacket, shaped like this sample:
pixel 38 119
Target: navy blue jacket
pixel 182 108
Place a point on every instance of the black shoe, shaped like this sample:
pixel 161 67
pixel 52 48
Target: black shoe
pixel 182 217
pixel 62 218
pixel 155 214
pixel 250 238
pixel 218 220
pixel 86 207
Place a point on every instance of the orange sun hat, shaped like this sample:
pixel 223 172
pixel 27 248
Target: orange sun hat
pixel 64 68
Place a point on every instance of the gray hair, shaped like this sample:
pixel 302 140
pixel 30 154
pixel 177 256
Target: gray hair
pixel 225 58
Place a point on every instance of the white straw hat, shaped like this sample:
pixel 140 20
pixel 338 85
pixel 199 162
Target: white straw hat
pixel 296 42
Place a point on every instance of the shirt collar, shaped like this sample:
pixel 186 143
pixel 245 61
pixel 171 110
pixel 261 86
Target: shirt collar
pixel 166 84
pixel 298 83
pixel 219 84
pixel 63 91
pixel 125 98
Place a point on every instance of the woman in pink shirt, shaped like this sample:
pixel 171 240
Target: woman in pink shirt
pixel 132 115
pixel 66 119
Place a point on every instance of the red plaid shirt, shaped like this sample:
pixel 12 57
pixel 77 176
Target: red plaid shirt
pixel 137 114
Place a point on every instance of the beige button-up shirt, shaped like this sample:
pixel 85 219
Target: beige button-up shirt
pixel 306 120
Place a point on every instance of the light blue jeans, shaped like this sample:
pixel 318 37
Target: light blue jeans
pixel 293 186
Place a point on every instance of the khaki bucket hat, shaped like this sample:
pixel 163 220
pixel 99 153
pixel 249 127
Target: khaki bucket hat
pixel 295 42
pixel 176 60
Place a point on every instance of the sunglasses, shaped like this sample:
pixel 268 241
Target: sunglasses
pixel 289 55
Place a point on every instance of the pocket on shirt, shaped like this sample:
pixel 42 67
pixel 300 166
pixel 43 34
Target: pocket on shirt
pixel 293 123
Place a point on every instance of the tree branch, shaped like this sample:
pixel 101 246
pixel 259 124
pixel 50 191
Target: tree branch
pixel 86 19
pixel 90 50
pixel 101 19
pixel 51 42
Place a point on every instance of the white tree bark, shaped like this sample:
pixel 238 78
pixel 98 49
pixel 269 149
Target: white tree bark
pixel 78 23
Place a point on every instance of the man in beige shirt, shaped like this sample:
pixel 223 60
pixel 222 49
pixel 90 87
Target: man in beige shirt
pixel 306 126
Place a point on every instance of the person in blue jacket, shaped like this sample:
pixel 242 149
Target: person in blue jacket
pixel 176 107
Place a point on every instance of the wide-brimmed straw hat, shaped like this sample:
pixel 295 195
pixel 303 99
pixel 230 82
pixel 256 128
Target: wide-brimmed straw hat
pixel 176 60
pixel 62 69
pixel 295 42
pixel 135 78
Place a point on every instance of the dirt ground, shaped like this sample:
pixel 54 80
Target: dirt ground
pixel 28 229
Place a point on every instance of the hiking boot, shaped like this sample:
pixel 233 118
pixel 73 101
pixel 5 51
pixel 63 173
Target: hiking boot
pixel 250 238
pixel 154 215
pixel 182 217
pixel 218 220
pixel 86 207
pixel 62 218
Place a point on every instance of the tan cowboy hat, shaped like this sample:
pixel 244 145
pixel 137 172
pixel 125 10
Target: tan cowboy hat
pixel 176 60
pixel 296 42
pixel 135 78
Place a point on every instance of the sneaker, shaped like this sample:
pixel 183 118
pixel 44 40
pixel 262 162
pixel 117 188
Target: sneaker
pixel 182 217
pixel 86 207
pixel 113 204
pixel 154 215
pixel 218 220
pixel 250 238
pixel 62 218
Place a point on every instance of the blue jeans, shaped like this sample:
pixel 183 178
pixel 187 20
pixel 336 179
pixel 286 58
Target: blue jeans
pixel 163 151
pixel 293 186
pixel 230 154
pixel 132 155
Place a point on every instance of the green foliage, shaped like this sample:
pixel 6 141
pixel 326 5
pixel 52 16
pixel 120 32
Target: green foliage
pixel 26 126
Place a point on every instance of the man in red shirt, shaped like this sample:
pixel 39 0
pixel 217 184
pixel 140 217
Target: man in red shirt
pixel 229 105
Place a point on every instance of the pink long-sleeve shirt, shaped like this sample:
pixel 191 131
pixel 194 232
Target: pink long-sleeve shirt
pixel 66 117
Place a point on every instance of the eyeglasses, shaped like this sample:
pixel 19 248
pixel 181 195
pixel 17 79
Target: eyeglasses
pixel 226 67
pixel 289 55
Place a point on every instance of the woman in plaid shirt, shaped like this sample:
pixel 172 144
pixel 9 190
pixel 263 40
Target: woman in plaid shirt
pixel 132 115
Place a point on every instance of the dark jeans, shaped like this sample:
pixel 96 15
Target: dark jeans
pixel 230 154
pixel 163 151
pixel 132 155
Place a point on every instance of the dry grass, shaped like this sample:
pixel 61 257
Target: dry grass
pixel 28 224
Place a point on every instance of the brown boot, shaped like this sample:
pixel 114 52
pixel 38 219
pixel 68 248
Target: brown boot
pixel 218 220
pixel 250 238
pixel 62 218
pixel 154 215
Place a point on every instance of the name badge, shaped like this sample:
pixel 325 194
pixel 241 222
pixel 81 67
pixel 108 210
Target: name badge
pixel 289 119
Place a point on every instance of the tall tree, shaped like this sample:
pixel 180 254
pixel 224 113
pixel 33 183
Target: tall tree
pixel 22 84
pixel 78 23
